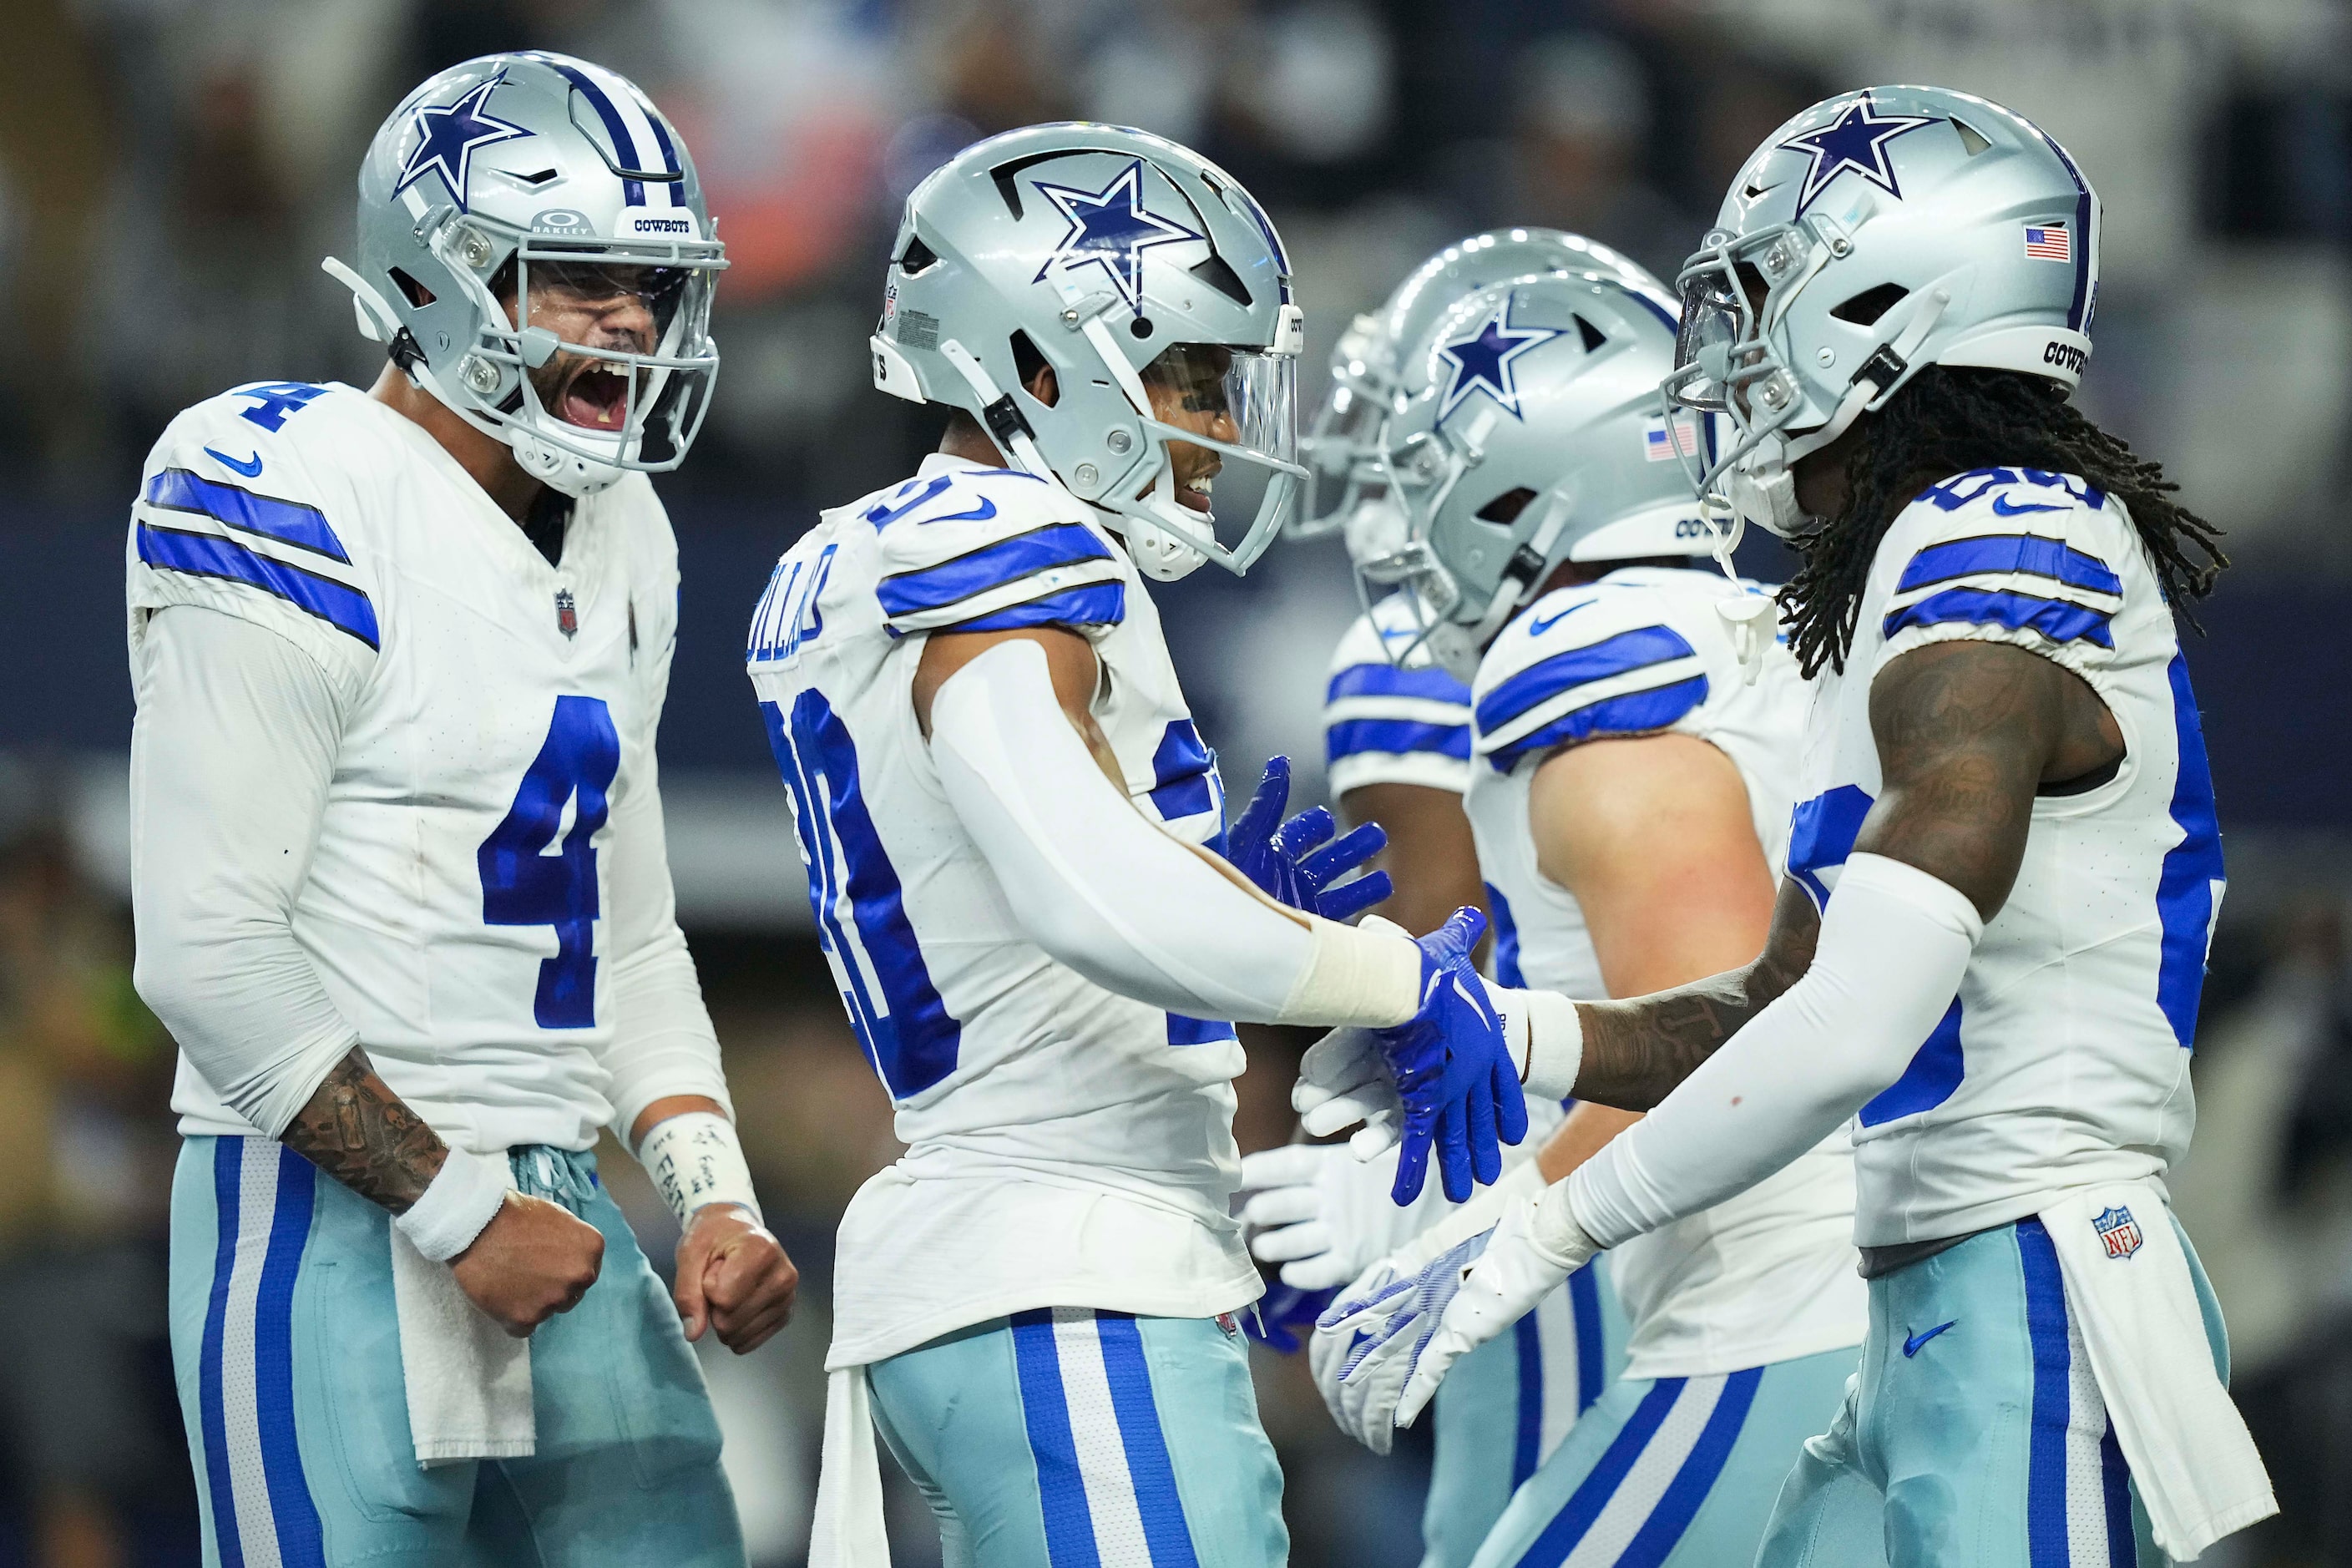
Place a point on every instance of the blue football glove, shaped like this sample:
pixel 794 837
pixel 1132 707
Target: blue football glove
pixel 1283 1310
pixel 1452 1070
pixel 1294 863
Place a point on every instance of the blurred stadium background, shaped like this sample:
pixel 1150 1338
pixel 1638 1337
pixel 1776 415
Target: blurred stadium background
pixel 171 169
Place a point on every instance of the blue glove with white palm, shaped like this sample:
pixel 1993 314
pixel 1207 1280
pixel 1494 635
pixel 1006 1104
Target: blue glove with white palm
pixel 1294 863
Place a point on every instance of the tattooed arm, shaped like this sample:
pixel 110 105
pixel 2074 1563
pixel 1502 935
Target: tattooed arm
pixel 1968 734
pixel 360 1133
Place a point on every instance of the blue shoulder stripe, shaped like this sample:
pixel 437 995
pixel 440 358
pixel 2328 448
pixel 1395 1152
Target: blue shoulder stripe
pixel 1092 605
pixel 209 555
pixel 2027 553
pixel 288 522
pixel 991 566
pixel 1426 682
pixel 1183 773
pixel 1395 737
pixel 2060 620
pixel 1619 655
pixel 1634 713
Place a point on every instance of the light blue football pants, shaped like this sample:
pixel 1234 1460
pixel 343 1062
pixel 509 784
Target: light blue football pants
pixel 1975 1436
pixel 287 1356
pixel 1506 1407
pixel 1678 1470
pixel 1069 1437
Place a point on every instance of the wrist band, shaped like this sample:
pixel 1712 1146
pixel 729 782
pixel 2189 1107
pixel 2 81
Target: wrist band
pixel 1555 1048
pixel 465 1196
pixel 1367 975
pixel 695 1160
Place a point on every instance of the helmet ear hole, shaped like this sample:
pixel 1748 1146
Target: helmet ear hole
pixel 1864 308
pixel 1505 508
pixel 1028 362
pixel 417 295
pixel 917 257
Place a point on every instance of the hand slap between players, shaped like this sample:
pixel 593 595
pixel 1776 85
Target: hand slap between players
pixel 733 1276
pixel 1294 863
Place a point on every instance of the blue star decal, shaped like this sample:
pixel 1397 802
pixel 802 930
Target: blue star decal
pixel 1856 141
pixel 1111 229
pixel 449 137
pixel 1483 360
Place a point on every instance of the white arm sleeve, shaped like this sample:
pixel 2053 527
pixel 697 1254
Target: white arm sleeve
pixel 1894 944
pixel 1106 892
pixel 231 753
pixel 662 1042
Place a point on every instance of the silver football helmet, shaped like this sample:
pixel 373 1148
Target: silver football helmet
pixel 1535 436
pixel 523 172
pixel 1129 266
pixel 1877 232
pixel 1342 447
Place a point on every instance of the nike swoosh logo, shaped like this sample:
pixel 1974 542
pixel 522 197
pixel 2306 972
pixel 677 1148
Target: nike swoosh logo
pixel 250 467
pixel 1912 1343
pixel 2001 508
pixel 980 514
pixel 1543 623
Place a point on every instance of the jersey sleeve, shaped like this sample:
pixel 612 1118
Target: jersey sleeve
pixel 243 516
pixel 1585 664
pixel 991 549
pixel 2008 555
pixel 1387 723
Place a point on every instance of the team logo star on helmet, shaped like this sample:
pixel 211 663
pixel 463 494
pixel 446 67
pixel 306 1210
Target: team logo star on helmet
pixel 1856 141
pixel 449 136
pixel 1483 360
pixel 1111 229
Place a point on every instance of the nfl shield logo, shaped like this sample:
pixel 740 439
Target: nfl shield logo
pixel 567 613
pixel 2118 1230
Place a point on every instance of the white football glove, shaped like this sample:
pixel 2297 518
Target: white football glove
pixel 1535 1247
pixel 1368 1345
pixel 1324 1216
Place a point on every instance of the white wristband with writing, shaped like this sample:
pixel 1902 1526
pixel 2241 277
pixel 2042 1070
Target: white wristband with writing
pixel 695 1160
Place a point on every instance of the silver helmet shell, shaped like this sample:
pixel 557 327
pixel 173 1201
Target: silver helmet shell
pixel 1342 446
pixel 1535 436
pixel 1103 247
pixel 1886 230
pixel 519 160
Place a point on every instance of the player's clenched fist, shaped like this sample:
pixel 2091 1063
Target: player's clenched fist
pixel 733 1276
pixel 533 1259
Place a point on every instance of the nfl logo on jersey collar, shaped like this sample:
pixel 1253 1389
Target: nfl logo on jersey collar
pixel 2118 1230
pixel 567 613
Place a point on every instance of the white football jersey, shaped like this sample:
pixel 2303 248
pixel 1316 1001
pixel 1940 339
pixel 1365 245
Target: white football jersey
pixel 1393 723
pixel 1770 1275
pixel 498 710
pixel 1068 1147
pixel 2064 1062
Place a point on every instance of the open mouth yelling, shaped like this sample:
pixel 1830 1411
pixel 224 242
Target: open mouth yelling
pixel 596 397
pixel 1193 494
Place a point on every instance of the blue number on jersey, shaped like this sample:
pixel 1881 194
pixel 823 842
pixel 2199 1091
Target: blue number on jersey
pixel 273 401
pixel 905 1029
pixel 787 616
pixel 523 885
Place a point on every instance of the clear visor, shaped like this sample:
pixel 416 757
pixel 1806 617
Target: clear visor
pixel 1725 362
pixel 1227 420
pixel 1342 448
pixel 636 397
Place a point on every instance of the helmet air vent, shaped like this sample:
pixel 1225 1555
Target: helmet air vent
pixel 417 294
pixel 1219 275
pixel 1505 508
pixel 1864 308
pixel 1593 336
pixel 1972 141
pixel 917 257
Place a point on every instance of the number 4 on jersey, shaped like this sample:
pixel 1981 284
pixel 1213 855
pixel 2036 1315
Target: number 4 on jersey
pixel 522 885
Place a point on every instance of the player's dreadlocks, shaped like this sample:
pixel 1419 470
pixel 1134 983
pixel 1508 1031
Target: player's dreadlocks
pixel 1947 421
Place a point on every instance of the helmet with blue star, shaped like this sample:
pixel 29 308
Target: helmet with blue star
pixel 1877 232
pixel 1532 434
pixel 1115 312
pixel 1342 446
pixel 534 252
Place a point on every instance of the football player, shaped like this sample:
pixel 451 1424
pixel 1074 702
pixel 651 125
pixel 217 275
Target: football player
pixel 2002 876
pixel 1629 792
pixel 1397 739
pixel 1012 829
pixel 399 876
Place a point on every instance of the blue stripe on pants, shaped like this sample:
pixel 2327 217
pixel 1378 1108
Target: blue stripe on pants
pixel 1680 1503
pixel 228 1158
pixel 1148 1465
pixel 299 1543
pixel 1569 1524
pixel 2045 1328
pixel 2115 1488
pixel 1529 1437
pixel 1069 1522
pixel 1592 1367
